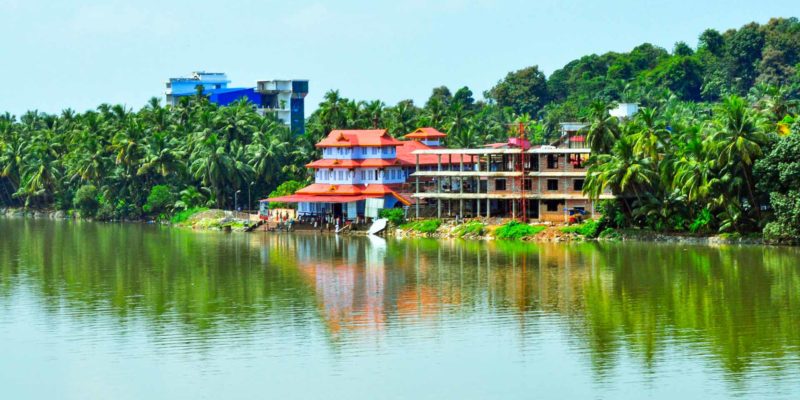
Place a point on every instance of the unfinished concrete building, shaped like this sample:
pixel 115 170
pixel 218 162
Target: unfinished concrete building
pixel 508 180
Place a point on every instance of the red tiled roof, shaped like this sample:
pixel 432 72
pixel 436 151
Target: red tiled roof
pixel 425 133
pixel 577 138
pixel 300 198
pixel 328 193
pixel 327 188
pixel 404 154
pixel 358 137
pixel 367 163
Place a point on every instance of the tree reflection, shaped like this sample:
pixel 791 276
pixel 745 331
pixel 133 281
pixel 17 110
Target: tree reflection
pixel 739 304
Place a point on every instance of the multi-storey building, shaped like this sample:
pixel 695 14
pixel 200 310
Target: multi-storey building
pixel 286 99
pixel 510 179
pixel 283 98
pixel 363 171
pixel 187 86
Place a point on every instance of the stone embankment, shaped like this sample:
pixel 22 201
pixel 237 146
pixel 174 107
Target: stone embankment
pixel 43 214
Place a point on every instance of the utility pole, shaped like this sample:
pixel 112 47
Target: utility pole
pixel 249 198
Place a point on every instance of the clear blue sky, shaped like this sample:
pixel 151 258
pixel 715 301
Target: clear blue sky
pixel 78 54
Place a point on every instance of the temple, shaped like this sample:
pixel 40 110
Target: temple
pixel 363 171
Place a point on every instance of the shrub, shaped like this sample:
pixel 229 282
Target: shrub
pixel 516 230
pixel 190 198
pixel 786 227
pixel 106 212
pixel 609 233
pixel 395 215
pixel 473 228
pixel 701 222
pixel 424 226
pixel 184 215
pixel 284 189
pixel 86 201
pixel 159 200
pixel 589 228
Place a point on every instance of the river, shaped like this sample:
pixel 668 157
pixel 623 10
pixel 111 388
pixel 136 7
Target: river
pixel 128 311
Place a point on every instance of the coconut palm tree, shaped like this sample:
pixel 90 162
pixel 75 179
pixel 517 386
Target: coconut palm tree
pixel 737 135
pixel 603 129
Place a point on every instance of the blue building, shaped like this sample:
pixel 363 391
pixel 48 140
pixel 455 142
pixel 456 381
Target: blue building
pixel 284 98
pixel 187 86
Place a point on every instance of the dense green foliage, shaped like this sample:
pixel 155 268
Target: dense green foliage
pixel 204 151
pixel 423 226
pixel 285 189
pixel 85 200
pixel 779 175
pixel 159 200
pixel 473 228
pixel 689 166
pixel 685 162
pixel 184 215
pixel 589 229
pixel 396 216
pixel 514 230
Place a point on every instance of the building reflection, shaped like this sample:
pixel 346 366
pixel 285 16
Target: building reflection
pixel 741 305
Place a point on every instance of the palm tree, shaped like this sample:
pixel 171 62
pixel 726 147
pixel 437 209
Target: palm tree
pixel 213 166
pixel 603 130
pixel 403 118
pixel 374 111
pixel 737 135
pixel 650 134
pixel 621 171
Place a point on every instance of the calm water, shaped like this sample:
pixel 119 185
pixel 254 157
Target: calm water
pixel 131 312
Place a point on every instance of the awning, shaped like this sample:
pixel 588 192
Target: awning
pixel 303 198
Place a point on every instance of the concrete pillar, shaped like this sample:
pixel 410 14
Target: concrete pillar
pixel 461 197
pixel 416 206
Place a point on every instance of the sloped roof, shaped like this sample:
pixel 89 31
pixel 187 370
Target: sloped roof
pixel 348 163
pixel 425 133
pixel 358 137
pixel 404 153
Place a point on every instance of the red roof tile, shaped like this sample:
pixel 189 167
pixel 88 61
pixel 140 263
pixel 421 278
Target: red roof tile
pixel 404 154
pixel 367 163
pixel 358 137
pixel 425 133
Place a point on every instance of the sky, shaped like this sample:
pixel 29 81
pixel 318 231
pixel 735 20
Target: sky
pixel 78 54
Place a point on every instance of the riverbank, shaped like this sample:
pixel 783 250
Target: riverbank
pixel 495 229
pixel 200 219
pixel 476 229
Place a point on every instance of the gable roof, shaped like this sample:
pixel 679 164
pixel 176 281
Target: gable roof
pixel 425 133
pixel 358 137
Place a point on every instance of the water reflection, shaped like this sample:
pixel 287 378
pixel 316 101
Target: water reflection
pixel 736 308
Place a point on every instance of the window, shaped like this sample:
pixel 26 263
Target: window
pixel 339 175
pixel 528 184
pixel 552 184
pixel 577 185
pixel 552 161
pixel 552 205
pixel 500 184
pixel 577 160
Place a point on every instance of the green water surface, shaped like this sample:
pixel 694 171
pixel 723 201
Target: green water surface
pixel 127 311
